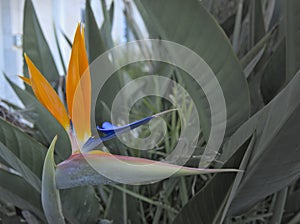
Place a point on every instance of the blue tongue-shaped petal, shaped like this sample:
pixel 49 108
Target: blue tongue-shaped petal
pixel 111 131
pixel 107 128
pixel 107 125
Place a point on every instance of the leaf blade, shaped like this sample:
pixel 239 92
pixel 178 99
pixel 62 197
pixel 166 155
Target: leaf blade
pixel 20 167
pixel 270 167
pixel 163 21
pixel 46 124
pixel 50 194
pixel 35 45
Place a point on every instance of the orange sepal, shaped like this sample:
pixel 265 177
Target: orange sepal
pixel 78 88
pixel 26 80
pixel 46 94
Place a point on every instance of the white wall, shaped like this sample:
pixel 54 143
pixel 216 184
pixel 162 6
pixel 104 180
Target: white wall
pixel 65 14
pixel 9 55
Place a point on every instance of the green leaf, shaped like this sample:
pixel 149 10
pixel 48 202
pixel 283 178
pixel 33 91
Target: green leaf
pixel 257 25
pixel 80 205
pixel 94 40
pixel 237 26
pixel 274 163
pixel 17 191
pixel 273 12
pixel 59 50
pixel 106 27
pixel 295 219
pixel 292 28
pixel 279 207
pixel 45 123
pixel 210 204
pixel 122 207
pixel 239 176
pixel 111 12
pixel 29 151
pixel 98 41
pixel 35 45
pixel 50 194
pixel 251 54
pixel 292 205
pixel 250 67
pixel 69 42
pixel 112 85
pixel 148 200
pixel 20 167
pixel 273 77
pixel 192 26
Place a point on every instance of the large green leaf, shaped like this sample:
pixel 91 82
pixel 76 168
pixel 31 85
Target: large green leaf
pixel 292 206
pixel 20 167
pixel 251 66
pixel 35 45
pixel 279 206
pixel 243 164
pixel 189 24
pixel 273 76
pixel 122 208
pixel 117 207
pixel 106 27
pixel 275 159
pixel 29 151
pixel 50 194
pixel 45 123
pixel 292 26
pixel 237 26
pixel 15 190
pixel 80 205
pixel 99 41
pixel 94 42
pixel 257 25
pixel 259 46
pixel 210 204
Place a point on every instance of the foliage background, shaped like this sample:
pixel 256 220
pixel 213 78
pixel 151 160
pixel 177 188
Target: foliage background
pixel 253 48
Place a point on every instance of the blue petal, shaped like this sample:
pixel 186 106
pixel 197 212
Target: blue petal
pixel 107 125
pixel 110 131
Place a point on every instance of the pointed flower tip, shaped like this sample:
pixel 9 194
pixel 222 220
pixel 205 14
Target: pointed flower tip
pixel 78 88
pixel 30 64
pixel 27 59
pixel 25 79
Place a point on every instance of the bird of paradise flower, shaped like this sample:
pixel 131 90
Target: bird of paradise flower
pixel 76 171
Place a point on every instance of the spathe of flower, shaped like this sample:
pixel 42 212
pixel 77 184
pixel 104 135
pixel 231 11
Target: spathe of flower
pixel 76 121
pixel 98 167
